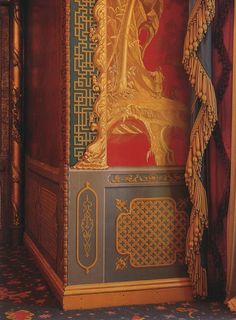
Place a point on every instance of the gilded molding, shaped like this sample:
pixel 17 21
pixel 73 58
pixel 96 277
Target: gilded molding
pixel 16 114
pixel 86 228
pixel 66 126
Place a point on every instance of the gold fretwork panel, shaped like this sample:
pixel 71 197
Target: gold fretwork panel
pixel 152 232
pixel 83 70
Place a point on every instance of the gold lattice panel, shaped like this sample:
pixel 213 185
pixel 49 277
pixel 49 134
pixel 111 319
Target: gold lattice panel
pixel 151 231
pixel 83 70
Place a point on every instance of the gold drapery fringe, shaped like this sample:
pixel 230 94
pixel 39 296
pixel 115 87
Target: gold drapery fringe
pixel 232 304
pixel 200 18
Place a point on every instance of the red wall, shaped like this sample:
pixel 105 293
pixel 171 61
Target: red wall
pixel 43 81
pixel 165 51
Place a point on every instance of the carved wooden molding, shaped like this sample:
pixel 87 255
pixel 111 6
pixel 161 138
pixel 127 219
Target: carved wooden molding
pixel 44 169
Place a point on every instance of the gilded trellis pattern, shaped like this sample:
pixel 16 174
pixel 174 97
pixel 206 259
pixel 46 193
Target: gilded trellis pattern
pixel 82 72
pixel 151 232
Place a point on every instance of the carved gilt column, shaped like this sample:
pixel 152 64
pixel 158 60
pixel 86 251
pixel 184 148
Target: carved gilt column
pixel 16 123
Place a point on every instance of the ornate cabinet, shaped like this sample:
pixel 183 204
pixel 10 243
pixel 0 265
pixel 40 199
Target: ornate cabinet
pixel 107 102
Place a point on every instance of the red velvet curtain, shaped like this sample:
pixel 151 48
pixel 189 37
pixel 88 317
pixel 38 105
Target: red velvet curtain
pixel 220 147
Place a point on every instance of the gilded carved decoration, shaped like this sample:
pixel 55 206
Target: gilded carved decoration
pixel 127 90
pixel 16 114
pixel 151 232
pixel 87 228
pixel 65 128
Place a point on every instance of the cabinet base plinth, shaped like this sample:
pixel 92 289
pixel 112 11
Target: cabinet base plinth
pixel 112 294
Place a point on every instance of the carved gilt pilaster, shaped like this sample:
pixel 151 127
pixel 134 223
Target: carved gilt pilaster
pixel 16 114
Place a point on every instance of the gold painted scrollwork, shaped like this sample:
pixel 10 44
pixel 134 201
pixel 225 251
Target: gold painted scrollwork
pixel 87 228
pixel 161 178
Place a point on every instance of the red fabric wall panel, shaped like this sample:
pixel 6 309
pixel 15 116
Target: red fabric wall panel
pixel 164 53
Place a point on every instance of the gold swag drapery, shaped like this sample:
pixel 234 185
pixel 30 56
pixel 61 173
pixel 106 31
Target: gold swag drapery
pixel 201 16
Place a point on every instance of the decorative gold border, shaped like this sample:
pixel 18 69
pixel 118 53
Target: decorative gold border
pixel 162 178
pixel 87 187
pixel 65 133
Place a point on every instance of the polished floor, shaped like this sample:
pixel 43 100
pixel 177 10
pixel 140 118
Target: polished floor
pixel 24 295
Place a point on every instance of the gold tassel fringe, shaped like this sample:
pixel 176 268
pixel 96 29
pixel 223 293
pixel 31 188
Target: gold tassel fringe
pixel 200 18
pixel 232 304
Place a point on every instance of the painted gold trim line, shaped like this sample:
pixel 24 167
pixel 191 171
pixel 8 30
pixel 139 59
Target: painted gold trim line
pixel 54 281
pixel 127 286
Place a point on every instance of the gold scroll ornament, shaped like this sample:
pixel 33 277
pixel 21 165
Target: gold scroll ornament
pixel 87 227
